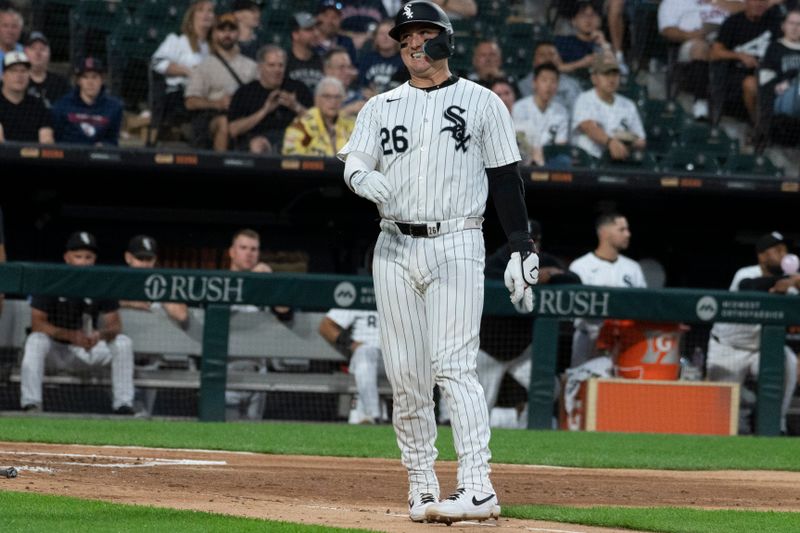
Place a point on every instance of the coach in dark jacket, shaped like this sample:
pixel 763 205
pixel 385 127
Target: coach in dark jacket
pixel 87 115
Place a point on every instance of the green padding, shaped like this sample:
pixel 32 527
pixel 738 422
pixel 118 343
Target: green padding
pixel 543 371
pixel 214 369
pixel 321 292
pixel 10 278
pixel 770 380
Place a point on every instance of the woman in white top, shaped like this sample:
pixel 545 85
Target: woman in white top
pixel 179 54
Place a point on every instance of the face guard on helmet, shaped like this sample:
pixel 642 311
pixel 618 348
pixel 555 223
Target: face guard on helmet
pixel 422 11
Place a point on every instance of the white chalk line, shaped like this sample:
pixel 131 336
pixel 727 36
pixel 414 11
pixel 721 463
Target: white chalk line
pixel 140 462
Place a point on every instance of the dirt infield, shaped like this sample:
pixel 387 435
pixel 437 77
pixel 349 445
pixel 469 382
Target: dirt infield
pixel 362 493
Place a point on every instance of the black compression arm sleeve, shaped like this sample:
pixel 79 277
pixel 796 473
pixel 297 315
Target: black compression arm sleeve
pixel 507 190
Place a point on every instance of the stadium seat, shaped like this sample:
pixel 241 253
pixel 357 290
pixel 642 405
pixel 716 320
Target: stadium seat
pixel 661 138
pixel 751 164
pixel 564 156
pixel 687 160
pixel 130 48
pixel 634 91
pixel 711 140
pixel 164 15
pixel 665 113
pixel 90 23
pixel 638 159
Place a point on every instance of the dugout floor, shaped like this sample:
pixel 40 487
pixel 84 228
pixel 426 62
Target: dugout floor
pixel 362 493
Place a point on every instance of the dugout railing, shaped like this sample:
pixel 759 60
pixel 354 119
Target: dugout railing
pixel 217 291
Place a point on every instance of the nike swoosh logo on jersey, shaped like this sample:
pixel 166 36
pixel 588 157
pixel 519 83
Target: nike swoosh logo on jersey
pixel 393 99
pixel 477 502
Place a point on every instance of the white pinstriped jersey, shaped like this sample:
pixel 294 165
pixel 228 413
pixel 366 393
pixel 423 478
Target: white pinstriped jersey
pixel 365 324
pixel 744 336
pixel 465 126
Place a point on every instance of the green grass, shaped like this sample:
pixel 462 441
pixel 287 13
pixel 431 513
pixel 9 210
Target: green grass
pixel 558 448
pixel 666 519
pixel 37 513
pixel 591 450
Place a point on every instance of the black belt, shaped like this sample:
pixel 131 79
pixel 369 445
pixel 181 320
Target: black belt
pixel 418 230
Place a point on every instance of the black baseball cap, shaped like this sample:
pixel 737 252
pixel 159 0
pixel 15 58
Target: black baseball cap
pixel 81 240
pixel 89 64
pixel 143 247
pixel 765 242
pixel 37 36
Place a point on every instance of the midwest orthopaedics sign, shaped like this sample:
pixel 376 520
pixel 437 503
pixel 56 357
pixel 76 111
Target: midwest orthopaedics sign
pixel 194 288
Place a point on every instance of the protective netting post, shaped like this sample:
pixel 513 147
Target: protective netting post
pixel 213 372
pixel 770 380
pixel 543 371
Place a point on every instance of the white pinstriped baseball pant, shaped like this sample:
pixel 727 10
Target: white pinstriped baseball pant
pixel 429 294
pixel 365 366
pixel 41 350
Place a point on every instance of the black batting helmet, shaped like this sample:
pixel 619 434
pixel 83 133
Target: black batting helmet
pixel 423 11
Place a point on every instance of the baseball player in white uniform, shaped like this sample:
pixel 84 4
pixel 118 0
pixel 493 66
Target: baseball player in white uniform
pixel 76 333
pixel 607 267
pixel 422 152
pixel 734 349
pixel 356 334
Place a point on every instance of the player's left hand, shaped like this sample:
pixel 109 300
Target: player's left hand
pixel 521 273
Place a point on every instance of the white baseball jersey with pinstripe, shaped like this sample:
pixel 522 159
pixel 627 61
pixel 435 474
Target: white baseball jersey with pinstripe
pixel 433 145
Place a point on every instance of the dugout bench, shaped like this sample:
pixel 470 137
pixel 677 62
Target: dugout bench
pixel 253 335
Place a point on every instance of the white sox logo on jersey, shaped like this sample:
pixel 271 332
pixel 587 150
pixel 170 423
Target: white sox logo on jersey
pixel 407 12
pixel 459 126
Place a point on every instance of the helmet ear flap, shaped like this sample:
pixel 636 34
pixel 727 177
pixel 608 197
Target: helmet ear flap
pixel 440 47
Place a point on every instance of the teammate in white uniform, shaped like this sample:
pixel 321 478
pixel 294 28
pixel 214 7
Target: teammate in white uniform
pixel 607 267
pixel 734 349
pixel 422 153
pixel 356 334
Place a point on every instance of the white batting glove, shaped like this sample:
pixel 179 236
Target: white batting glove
pixel 521 273
pixel 371 185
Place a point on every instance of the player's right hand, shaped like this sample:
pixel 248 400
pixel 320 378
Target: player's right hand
pixel 371 185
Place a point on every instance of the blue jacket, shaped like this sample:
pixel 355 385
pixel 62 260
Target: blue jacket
pixel 76 122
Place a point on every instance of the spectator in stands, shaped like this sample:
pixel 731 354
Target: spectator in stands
pixel 568 87
pixel 539 119
pixel 46 85
pixel 177 55
pixel 579 51
pixel 336 63
pixel 356 335
pixel 248 17
pixel 22 117
pixel 142 252
pixel 88 115
pixel 693 26
pixel 604 120
pixel 487 62
pixel 503 88
pixel 244 254
pixel 324 128
pixel 615 16
pixel 329 25
pixel 11 23
pixel 74 333
pixel 361 17
pixel 734 350
pixel 213 83
pixel 303 64
pixel 781 67
pixel 607 267
pixel 261 110
pixel 378 66
pixel 742 41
